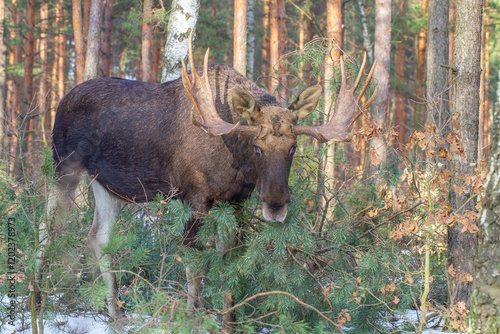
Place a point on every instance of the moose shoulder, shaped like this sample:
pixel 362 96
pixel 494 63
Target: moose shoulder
pixel 203 139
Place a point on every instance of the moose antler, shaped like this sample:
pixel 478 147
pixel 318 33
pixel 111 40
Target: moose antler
pixel 199 92
pixel 346 109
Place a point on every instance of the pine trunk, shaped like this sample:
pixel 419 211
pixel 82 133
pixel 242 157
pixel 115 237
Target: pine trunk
pixel 15 98
pixel 486 56
pixel 282 47
pixel 383 14
pixel 94 40
pixel 106 49
pixel 437 96
pixel 273 43
pixel 43 91
pixel 27 111
pixel 240 36
pixel 465 113
pixel 486 309
pixel 79 41
pixel 400 115
pixel 422 37
pixel 266 44
pixel 250 39
pixel 183 18
pixel 147 43
pixel 61 55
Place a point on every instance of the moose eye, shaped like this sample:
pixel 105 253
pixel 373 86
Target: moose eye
pixel 292 150
pixel 257 151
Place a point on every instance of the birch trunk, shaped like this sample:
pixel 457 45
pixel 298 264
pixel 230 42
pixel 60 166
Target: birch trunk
pixel 334 36
pixel 366 34
pixel 183 18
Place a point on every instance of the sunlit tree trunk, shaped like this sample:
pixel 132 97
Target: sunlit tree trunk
pixel 79 41
pixel 334 36
pixel 379 109
pixel 437 95
pixel 486 137
pixel 28 107
pixel 94 40
pixel 86 19
pixel 147 42
pixel 265 43
pixel 43 91
pixel 465 113
pixel 106 56
pixel 250 39
pixel 15 97
pixel 485 316
pixel 240 36
pixel 419 119
pixel 273 43
pixel 282 46
pixel 183 19
pixel 400 115
pixel 61 66
pixel 304 37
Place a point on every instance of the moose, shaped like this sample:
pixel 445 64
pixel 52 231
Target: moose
pixel 214 137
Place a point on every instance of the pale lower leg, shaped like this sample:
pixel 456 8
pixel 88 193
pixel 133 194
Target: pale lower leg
pixel 107 210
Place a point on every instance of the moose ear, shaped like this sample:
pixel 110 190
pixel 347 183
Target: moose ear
pixel 244 105
pixel 306 102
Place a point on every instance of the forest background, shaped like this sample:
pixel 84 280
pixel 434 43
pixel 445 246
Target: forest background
pixel 388 222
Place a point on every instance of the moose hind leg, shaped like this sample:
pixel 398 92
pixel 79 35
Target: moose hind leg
pixel 107 211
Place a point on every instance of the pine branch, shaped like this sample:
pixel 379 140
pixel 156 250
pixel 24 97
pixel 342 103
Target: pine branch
pixel 262 294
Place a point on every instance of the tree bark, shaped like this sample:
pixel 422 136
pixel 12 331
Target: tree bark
pixel 400 115
pixel 266 44
pixel 366 35
pixel 334 36
pixel 486 139
pixel 422 37
pixel 106 49
pixel 79 41
pixel 486 309
pixel 250 39
pixel 147 43
pixel 437 96
pixel 61 53
pixel 240 36
pixel 94 40
pixel 273 43
pixel 383 15
pixel 43 91
pixel 465 114
pixel 183 18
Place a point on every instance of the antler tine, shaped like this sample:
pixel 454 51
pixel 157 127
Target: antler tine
pixel 367 81
pixel 346 110
pixel 205 72
pixel 360 73
pixel 199 91
pixel 190 55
